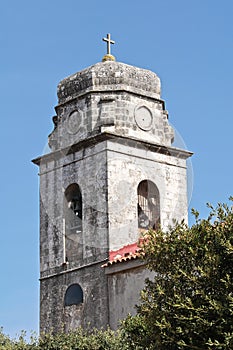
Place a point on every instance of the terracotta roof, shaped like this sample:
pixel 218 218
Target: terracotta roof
pixel 126 253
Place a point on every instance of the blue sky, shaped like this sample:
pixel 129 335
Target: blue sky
pixel 189 44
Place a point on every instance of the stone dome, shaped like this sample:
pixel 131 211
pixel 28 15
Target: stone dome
pixel 109 76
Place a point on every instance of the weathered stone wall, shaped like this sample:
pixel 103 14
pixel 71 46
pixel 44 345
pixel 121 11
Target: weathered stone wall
pixel 108 174
pixel 128 165
pixel 56 175
pixel 124 287
pixel 87 168
pixel 93 312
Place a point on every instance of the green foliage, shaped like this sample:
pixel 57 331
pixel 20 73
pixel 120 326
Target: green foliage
pixel 135 332
pixel 76 340
pixel 82 340
pixel 189 303
pixel 17 344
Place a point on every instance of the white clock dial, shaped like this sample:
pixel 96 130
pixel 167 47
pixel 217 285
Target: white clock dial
pixel 73 122
pixel 143 118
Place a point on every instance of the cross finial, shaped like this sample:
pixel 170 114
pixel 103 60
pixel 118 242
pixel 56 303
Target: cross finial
pixel 109 42
pixel 108 56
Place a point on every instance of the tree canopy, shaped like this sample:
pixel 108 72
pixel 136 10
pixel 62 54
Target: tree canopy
pixel 189 303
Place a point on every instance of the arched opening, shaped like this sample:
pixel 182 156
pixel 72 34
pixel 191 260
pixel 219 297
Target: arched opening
pixel 73 209
pixel 72 223
pixel 148 205
pixel 74 295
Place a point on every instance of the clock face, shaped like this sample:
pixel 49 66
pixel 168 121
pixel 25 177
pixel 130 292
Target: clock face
pixel 73 122
pixel 143 117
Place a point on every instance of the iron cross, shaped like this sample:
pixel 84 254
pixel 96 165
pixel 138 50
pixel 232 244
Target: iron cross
pixel 109 42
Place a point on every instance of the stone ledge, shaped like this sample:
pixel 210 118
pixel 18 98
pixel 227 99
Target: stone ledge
pixel 48 274
pixel 132 142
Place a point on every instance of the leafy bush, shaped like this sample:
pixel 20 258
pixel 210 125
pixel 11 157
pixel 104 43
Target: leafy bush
pixel 189 303
pixel 76 340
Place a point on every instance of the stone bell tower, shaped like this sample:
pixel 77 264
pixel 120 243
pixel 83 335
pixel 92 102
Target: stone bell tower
pixel 112 173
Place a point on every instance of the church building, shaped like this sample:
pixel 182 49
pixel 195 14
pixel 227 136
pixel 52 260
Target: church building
pixel 111 174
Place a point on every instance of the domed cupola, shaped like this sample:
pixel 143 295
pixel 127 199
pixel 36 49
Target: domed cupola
pixel 108 76
pixel 111 97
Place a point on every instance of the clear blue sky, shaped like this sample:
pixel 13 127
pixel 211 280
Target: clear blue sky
pixel 189 44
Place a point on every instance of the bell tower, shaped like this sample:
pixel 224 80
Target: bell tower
pixel 111 173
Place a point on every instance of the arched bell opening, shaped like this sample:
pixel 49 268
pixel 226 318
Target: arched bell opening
pixel 73 216
pixel 148 206
pixel 73 209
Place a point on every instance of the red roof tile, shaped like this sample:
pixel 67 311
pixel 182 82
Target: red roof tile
pixel 126 253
